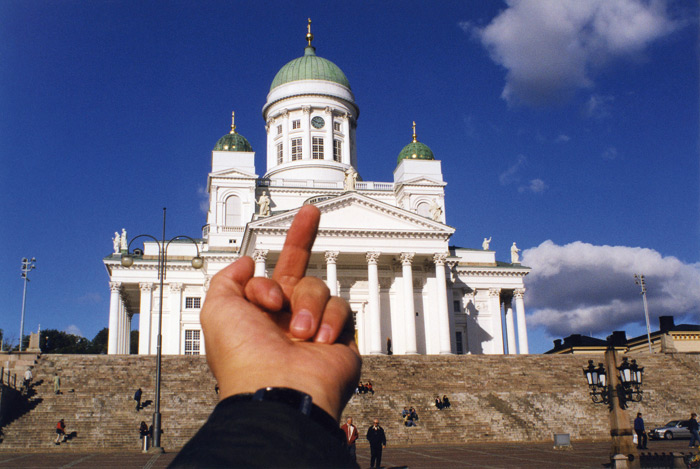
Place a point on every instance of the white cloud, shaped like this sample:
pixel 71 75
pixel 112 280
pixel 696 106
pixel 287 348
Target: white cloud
pixel 583 288
pixel 73 329
pixel 562 138
pixel 551 48
pixel 510 175
pixel 609 153
pixel 536 186
pixel 598 106
pixel 203 199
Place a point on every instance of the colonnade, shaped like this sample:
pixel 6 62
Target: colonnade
pixel 119 321
pixel 511 321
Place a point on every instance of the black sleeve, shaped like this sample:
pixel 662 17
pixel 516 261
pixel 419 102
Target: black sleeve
pixel 245 433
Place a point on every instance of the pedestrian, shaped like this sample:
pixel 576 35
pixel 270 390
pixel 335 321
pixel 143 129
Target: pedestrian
pixel 351 435
pixel 377 441
pixel 60 432
pixel 143 430
pixel 27 379
pixel 137 398
pixel 693 427
pixel 639 430
pixel 438 403
pixel 56 384
pixel 388 346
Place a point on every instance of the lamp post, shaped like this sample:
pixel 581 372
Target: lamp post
pixel 127 260
pixel 615 386
pixel 27 266
pixel 639 280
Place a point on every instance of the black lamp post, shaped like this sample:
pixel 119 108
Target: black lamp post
pixel 127 261
pixel 615 386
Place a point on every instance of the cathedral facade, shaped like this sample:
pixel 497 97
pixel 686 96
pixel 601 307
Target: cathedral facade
pixel 383 246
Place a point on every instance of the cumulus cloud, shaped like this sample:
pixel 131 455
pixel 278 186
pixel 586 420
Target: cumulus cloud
pixel 536 186
pixel 75 330
pixel 510 175
pixel 551 48
pixel 584 288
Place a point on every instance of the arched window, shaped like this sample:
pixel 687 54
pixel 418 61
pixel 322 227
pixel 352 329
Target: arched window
pixel 423 208
pixel 233 211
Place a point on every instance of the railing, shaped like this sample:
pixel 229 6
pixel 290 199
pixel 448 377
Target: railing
pixel 360 185
pixel 7 378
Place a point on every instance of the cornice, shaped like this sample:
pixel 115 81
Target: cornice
pixel 490 273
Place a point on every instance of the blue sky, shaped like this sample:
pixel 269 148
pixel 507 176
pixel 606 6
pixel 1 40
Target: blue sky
pixel 569 127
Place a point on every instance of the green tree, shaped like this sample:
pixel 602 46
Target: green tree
pixel 55 341
pixel 134 345
pixel 98 345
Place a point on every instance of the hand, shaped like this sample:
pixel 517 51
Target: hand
pixel 284 332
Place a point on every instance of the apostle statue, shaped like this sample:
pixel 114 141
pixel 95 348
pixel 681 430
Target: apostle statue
pixel 264 205
pixel 435 210
pixel 350 179
pixel 485 244
pixel 514 257
pixel 116 242
pixel 124 244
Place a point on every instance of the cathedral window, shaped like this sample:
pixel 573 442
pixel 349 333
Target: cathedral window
pixel 457 306
pixel 233 211
pixel 192 340
pixel 296 124
pixel 279 129
pixel 317 148
pixel 459 343
pixel 296 149
pixel 336 126
pixel 193 302
pixel 337 150
pixel 280 153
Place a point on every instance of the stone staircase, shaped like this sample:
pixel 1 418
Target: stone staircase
pixel 494 398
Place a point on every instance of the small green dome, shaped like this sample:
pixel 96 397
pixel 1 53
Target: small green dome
pixel 310 67
pixel 416 151
pixel 233 142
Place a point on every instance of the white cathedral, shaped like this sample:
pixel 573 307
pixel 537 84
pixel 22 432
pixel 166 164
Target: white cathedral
pixel 383 246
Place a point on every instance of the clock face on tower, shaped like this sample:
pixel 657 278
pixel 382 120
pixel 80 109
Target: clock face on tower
pixel 318 122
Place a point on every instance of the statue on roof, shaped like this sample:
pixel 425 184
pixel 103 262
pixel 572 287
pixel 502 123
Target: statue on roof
pixel 124 244
pixel 435 210
pixel 514 257
pixel 350 179
pixel 116 242
pixel 486 243
pixel 264 205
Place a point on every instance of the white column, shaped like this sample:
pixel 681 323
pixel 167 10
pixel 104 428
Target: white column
pixel 375 342
pixel 409 307
pixel 145 318
pixel 171 331
pixel 496 321
pixel 522 327
pixel 328 140
pixel 332 272
pixel 120 327
pixel 510 328
pixel 346 140
pixel 443 318
pixel 129 317
pixel 114 300
pixel 306 131
pixel 285 138
pixel 259 256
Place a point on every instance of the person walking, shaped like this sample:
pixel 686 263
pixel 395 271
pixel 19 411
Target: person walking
pixel 639 430
pixel 60 432
pixel 351 435
pixel 56 384
pixel 137 398
pixel 693 427
pixel 377 441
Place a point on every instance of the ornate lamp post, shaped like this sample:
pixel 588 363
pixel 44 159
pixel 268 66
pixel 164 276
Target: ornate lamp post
pixel 615 388
pixel 27 266
pixel 127 261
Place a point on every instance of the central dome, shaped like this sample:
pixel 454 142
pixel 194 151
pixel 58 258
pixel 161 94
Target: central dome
pixel 310 67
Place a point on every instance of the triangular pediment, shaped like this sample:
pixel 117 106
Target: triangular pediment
pixel 423 181
pixel 355 215
pixel 232 173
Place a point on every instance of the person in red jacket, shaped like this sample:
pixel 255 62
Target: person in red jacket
pixel 351 434
pixel 60 432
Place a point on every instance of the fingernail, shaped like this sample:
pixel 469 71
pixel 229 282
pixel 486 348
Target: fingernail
pixel 324 334
pixel 302 321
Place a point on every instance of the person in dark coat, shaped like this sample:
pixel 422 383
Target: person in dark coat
pixel 377 441
pixel 639 430
pixel 693 427
pixel 137 398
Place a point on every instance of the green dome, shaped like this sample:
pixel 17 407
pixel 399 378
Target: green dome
pixel 233 142
pixel 416 151
pixel 310 67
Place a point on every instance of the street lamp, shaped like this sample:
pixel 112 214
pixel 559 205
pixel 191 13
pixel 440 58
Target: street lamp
pixel 615 386
pixel 127 260
pixel 27 266
pixel 639 280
